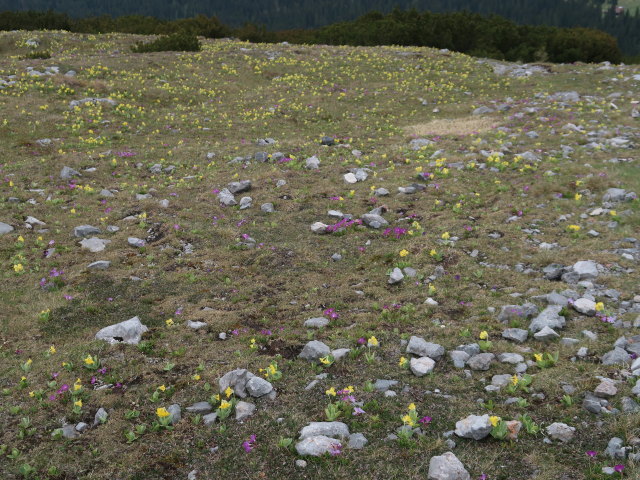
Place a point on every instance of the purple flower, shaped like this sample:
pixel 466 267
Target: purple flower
pixel 425 420
pixel 335 449
pixel 358 411
pixel 591 453
pixel 619 468
pixel 362 341
pixel 63 388
pixel 249 445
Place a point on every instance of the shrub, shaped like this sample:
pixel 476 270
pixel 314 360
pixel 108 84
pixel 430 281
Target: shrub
pixel 176 42
pixel 43 54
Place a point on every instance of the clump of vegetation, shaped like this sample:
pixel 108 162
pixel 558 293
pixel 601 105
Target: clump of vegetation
pixel 39 54
pixel 176 42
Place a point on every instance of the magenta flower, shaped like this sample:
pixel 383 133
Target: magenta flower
pixel 250 444
pixel 358 411
pixel 425 420
pixel 362 341
pixel 619 468
pixel 591 453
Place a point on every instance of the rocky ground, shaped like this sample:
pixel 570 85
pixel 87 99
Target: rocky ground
pixel 271 261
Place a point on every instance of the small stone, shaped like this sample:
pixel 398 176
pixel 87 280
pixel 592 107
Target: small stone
pixel 357 441
pixel 549 317
pixel 474 426
pixel 585 306
pixel 200 408
pixel 100 417
pixel 82 231
pixel 447 467
pixel 244 410
pixel 301 463
pixel 210 419
pixel 317 446
pixel 482 361
pixel 422 366
pixel 317 322
pixel 546 334
pixel 314 350
pixel 136 242
pixel 130 331
pixel 605 389
pixel 99 265
pixel 267 208
pixel 329 429
pixel 616 356
pixel 561 432
pixel 195 325
pixel 515 334
pixel 94 244
pixel 419 346
pixel 258 387
pixel 513 358
pixel 396 276
pixel 175 413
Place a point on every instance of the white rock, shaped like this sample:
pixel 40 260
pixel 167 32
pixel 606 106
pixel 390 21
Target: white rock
pixel 130 331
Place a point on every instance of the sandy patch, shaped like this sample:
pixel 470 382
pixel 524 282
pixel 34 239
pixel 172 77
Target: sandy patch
pixel 452 126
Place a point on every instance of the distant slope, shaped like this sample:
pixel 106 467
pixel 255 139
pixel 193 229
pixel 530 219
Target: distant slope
pixel 290 14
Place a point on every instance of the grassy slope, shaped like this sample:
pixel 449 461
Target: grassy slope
pixel 174 108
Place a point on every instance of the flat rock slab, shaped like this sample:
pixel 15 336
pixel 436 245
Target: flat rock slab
pixel 447 467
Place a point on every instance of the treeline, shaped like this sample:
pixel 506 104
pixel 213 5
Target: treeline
pixel 288 14
pixel 471 33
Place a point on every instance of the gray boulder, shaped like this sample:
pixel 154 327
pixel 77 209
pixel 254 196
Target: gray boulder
pixel 328 429
pixel 482 361
pixel 357 441
pixel 5 228
pixel 374 221
pixel 549 317
pixel 67 173
pixel 239 187
pixel 561 432
pixel 586 269
pixel 317 322
pixel 474 426
pixel 82 231
pixel 258 387
pixel 419 346
pixel 515 334
pixel 199 408
pixel 447 467
pixel 226 198
pixel 130 331
pixel 244 410
pixel 314 350
pixel 617 356
pixel 317 446
pixel 422 366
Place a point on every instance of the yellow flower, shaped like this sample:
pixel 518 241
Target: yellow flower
pixel 331 392
pixel 162 412
pixel 412 406
pixel 350 389
pixel 445 236
pixel 404 253
pixel 196 377
pixel 578 197
pixel 78 403
pixel 599 307
pixel 373 341
pixel 162 388
pixel 29 362
pixel 573 228
pixel 32 394
pixel 228 392
pixel 484 335
pixel 52 349
pixel 408 420
pixel 537 356
pixel 403 361
pixel 325 360
pixel 494 420
pixel 613 213
pixel 514 380
pixel 18 268
pixel 169 322
pixel 89 360
pixel 433 252
pixel 224 404
pixel 20 239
